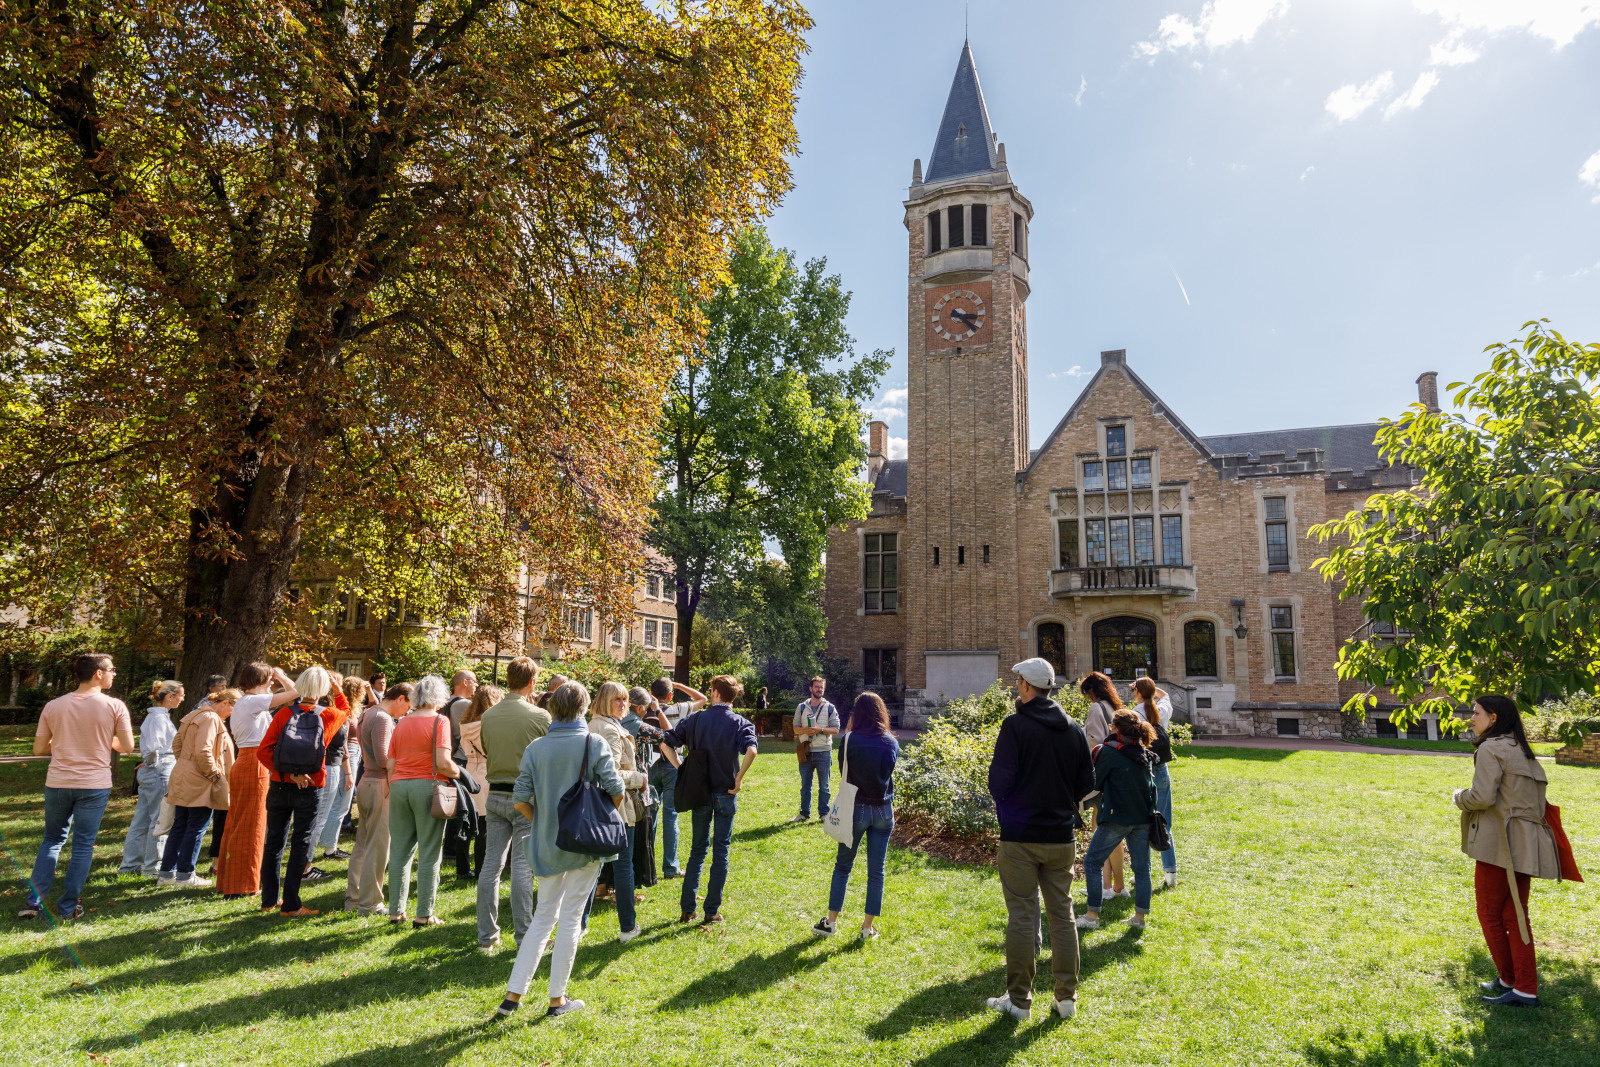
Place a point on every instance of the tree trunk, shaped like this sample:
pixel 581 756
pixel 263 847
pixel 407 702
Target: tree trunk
pixel 230 602
pixel 680 669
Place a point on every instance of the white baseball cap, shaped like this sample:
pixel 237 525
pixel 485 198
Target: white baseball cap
pixel 1036 672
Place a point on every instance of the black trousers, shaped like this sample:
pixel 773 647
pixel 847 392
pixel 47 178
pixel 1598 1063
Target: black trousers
pixel 468 860
pixel 219 819
pixel 287 803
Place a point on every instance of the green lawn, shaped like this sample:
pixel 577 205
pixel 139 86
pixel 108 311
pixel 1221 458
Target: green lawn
pixel 1540 748
pixel 1324 917
pixel 17 740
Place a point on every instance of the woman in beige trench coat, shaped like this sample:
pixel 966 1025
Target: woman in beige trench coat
pixel 1503 828
pixel 202 757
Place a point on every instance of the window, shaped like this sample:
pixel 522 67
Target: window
pixel 935 555
pixel 1019 235
pixel 649 633
pixel 1418 731
pixel 958 228
pixel 1282 619
pixel 1116 440
pixel 880 572
pixel 980 224
pixel 1288 727
pixel 348 667
pixel 1093 476
pixel 1144 540
pixel 347 612
pixel 652 587
pixel 1277 533
pixel 1117 474
pixel 1386 728
pixel 1067 530
pixel 361 617
pixel 880 667
pixel 985 555
pixel 666 636
pixel 961 554
pixel 579 622
pixel 616 636
pixel 1124 647
pixel 1053 646
pixel 934 241
pixel 1200 649
pixel 1172 540
pixel 1141 473
pixel 1094 535
pixel 1119 542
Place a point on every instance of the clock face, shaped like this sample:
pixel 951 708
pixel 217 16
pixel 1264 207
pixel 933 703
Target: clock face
pixel 957 315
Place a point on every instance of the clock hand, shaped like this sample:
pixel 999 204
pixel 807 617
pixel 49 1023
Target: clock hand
pixel 964 317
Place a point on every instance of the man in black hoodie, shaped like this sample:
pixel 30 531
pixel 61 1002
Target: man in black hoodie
pixel 1040 773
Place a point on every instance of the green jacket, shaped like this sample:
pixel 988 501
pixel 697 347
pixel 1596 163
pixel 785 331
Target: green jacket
pixel 1126 777
pixel 508 728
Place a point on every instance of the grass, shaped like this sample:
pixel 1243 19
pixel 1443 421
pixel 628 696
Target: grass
pixel 1540 748
pixel 17 740
pixel 1325 917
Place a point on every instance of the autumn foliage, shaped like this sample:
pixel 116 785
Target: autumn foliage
pixel 388 289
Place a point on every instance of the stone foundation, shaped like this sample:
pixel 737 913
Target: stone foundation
pixel 1584 755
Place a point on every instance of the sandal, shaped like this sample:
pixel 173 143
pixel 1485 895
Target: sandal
pixel 396 920
pixel 432 920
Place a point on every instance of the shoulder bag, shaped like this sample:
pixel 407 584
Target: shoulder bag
pixel 802 745
pixel 694 781
pixel 446 800
pixel 587 822
pixel 840 822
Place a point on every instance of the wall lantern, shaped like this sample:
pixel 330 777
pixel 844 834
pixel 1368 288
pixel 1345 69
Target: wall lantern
pixel 1240 630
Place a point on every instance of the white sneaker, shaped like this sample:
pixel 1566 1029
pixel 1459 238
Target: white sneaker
pixel 1004 1006
pixel 629 935
pixel 167 879
pixel 1066 1008
pixel 1136 921
pixel 1124 894
pixel 1088 922
pixel 194 881
pixel 1170 879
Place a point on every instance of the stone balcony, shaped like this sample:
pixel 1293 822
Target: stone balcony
pixel 1148 579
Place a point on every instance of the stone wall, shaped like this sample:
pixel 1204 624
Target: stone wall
pixel 1585 755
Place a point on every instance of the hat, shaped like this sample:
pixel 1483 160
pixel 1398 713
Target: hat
pixel 1036 672
pixel 638 696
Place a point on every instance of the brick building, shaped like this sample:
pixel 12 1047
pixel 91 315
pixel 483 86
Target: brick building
pixel 1125 543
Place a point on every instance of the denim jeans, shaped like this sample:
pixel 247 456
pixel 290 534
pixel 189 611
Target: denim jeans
pixel 711 825
pixel 1107 837
pixel 290 810
pixel 876 821
pixel 333 821
pixel 506 837
pixel 664 776
pixel 187 826
pixel 1169 858
pixel 141 849
pixel 74 811
pixel 622 883
pixel 328 806
pixel 817 763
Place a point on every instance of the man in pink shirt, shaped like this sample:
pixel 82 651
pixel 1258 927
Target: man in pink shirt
pixel 78 732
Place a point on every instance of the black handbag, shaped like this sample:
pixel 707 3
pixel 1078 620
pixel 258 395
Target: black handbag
pixel 587 822
pixel 694 781
pixel 1160 836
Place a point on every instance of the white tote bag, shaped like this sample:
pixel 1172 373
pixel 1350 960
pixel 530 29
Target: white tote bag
pixel 840 822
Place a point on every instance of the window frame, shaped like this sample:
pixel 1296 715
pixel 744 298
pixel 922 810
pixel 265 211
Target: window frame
pixel 875 596
pixel 872 661
pixel 1150 522
pixel 1068 552
pixel 1138 479
pixel 1112 526
pixel 669 637
pixel 955 218
pixel 1089 543
pixel 1277 634
pixel 1216 657
pixel 1121 449
pixel 1166 555
pixel 1095 481
pixel 978 225
pixel 1276 526
pixel 935 231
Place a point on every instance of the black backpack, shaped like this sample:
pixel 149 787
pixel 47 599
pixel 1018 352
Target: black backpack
pixel 302 746
pixel 694 781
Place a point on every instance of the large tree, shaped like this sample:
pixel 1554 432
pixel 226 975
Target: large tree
pixel 392 288
pixel 1486 577
pixel 761 442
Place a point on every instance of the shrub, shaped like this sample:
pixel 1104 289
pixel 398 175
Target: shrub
pixel 33 699
pixel 595 666
pixel 945 775
pixel 416 657
pixel 1568 720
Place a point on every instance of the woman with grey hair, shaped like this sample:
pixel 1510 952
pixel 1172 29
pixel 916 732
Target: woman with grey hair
pixel 419 756
pixel 550 766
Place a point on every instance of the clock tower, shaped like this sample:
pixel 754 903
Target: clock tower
pixel 967 415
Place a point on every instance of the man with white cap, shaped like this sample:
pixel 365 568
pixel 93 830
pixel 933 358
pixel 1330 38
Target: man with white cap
pixel 1040 773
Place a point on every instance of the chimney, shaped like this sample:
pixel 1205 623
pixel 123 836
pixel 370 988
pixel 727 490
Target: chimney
pixel 1428 390
pixel 916 172
pixel 877 448
pixel 1115 357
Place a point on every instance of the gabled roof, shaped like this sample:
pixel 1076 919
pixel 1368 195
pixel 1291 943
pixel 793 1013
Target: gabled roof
pixel 965 144
pixel 891 478
pixel 1107 361
pixel 1348 447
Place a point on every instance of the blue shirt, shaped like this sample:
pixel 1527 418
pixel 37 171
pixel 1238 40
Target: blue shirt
pixel 721 731
pixel 871 765
pixel 550 765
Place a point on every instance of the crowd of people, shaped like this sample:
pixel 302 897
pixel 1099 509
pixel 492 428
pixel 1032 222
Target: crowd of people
pixel 497 779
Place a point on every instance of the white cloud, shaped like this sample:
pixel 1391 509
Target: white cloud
pixel 1589 174
pixel 891 405
pixel 1073 371
pixel 1418 93
pixel 1557 21
pixel 1453 52
pixel 1308 172
pixel 897 447
pixel 1349 101
pixel 1077 97
pixel 1220 23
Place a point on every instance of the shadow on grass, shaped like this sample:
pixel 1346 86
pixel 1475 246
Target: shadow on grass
pixel 1564 1030
pixel 759 833
pixel 1251 755
pixel 997 1042
pixel 753 973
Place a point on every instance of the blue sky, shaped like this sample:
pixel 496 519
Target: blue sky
pixel 1351 192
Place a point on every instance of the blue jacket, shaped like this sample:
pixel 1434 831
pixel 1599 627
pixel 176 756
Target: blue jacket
pixel 722 732
pixel 550 766
pixel 872 760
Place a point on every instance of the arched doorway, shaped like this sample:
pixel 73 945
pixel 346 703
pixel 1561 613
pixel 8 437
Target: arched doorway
pixel 1052 645
pixel 1125 647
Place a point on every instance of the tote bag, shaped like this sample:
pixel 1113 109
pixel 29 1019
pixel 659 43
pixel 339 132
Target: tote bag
pixel 840 822
pixel 587 822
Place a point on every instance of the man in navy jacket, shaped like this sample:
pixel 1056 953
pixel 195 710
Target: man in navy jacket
pixel 1040 773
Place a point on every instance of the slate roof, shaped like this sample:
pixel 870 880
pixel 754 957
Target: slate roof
pixel 1342 446
pixel 965 144
pixel 891 478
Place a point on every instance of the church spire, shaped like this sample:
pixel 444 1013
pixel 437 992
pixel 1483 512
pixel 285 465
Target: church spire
pixel 965 144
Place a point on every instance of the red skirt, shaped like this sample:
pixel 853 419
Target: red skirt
pixel 238 863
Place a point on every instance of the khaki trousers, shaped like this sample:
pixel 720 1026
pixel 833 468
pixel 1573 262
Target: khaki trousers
pixel 1028 871
pixel 369 860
